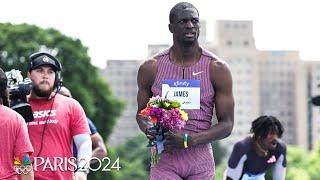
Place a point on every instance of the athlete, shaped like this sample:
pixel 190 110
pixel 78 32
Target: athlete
pixel 254 155
pixel 204 82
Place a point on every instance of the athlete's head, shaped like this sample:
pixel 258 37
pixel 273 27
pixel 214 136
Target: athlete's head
pixel 267 130
pixel 3 89
pixel 43 71
pixel 184 23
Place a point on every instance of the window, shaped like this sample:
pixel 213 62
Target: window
pixel 229 43
pixel 245 43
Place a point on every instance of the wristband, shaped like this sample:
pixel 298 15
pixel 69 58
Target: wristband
pixel 185 140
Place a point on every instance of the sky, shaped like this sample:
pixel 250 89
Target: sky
pixel 119 29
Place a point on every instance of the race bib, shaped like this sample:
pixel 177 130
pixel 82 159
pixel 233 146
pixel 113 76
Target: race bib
pixel 186 92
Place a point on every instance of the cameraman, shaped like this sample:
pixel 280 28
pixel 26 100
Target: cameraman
pixel 15 143
pixel 58 121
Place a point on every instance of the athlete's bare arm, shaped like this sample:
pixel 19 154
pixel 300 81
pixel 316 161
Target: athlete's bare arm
pixel 146 75
pixel 221 80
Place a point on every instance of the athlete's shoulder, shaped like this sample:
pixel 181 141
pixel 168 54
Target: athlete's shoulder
pixel 149 63
pixel 212 56
pixel 161 53
pixel 147 70
pixel 217 64
pixel 239 153
pixel 244 145
pixel 281 147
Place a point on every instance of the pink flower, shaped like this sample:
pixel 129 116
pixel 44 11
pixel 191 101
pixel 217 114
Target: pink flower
pixel 165 113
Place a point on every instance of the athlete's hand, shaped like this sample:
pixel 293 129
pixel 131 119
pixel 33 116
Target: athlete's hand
pixel 174 140
pixel 150 132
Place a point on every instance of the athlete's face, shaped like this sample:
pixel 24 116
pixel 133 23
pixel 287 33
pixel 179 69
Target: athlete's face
pixel 270 142
pixel 185 25
pixel 42 80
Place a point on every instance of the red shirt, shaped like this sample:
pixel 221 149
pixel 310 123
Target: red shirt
pixel 14 141
pixel 65 118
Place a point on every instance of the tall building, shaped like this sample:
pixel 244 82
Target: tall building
pixel 121 76
pixel 234 43
pixel 203 32
pixel 265 82
pixel 235 35
pixel 283 93
pixel 313 89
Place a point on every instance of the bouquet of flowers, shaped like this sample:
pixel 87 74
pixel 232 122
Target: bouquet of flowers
pixel 164 115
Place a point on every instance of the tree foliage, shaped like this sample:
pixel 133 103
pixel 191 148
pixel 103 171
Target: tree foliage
pixel 17 42
pixel 135 159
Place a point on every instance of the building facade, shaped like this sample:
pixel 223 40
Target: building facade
pixel 121 75
pixel 234 43
pixel 313 89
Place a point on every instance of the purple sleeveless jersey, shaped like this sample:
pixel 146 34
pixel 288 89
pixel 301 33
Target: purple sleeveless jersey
pixel 199 119
pixel 195 162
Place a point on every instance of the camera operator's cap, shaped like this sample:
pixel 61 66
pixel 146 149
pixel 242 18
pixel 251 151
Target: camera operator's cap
pixel 42 58
pixel 3 80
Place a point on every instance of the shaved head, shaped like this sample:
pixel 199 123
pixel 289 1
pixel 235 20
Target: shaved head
pixel 178 7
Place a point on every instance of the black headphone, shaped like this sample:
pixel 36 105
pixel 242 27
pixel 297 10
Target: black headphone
pixel 42 58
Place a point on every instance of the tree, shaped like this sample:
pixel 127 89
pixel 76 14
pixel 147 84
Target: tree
pixel 107 163
pixel 220 170
pixel 134 159
pixel 313 163
pixel 17 42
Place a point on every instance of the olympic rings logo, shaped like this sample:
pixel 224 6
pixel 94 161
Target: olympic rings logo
pixel 23 169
